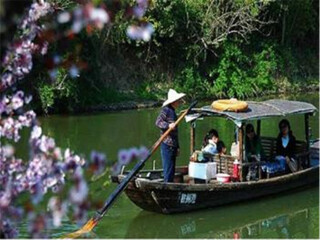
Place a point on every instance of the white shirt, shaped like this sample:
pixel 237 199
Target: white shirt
pixel 211 148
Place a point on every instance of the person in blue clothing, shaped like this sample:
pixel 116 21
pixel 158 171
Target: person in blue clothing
pixel 170 145
pixel 210 142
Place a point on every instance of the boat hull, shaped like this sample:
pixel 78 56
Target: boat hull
pixel 182 197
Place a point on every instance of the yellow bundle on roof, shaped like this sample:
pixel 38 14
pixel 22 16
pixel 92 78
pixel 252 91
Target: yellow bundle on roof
pixel 232 105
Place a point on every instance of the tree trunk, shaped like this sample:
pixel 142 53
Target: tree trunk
pixel 283 28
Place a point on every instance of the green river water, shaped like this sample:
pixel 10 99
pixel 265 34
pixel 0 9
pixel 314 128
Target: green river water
pixel 291 215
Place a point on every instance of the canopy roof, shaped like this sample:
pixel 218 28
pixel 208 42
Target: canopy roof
pixel 257 110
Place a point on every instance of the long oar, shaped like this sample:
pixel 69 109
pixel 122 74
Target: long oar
pixel 94 220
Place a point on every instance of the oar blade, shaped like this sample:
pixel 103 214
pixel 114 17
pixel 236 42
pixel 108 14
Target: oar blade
pixel 84 230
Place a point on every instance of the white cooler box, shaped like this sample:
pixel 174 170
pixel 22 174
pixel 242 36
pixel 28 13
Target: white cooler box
pixel 204 171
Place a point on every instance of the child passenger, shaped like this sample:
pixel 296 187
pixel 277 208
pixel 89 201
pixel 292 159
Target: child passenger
pixel 221 148
pixel 210 142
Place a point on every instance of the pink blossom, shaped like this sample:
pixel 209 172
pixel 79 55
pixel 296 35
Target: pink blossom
pixel 64 17
pixel 116 168
pixel 10 129
pixel 37 192
pixel 58 210
pixel 74 71
pixel 44 48
pixel 27 118
pixel 124 157
pixel 3 105
pixel 21 184
pixel 36 132
pixel 46 144
pixel 80 213
pixel 8 230
pixel 15 212
pixel 99 17
pixel 28 99
pixel 17 100
pixel 6 79
pixel 56 59
pixel 77 26
pixel 79 192
pixel 143 152
pixel 72 161
pixel 140 32
pixel 50 181
pixel 7 151
pixel 37 224
pixel 53 73
pixel 78 22
pixel 5 199
pixel 18 60
pixel 22 65
pixel 98 162
pixel 15 165
pixel 5 196
pixel 38 10
pixel 57 154
pixel 139 11
pixel 133 153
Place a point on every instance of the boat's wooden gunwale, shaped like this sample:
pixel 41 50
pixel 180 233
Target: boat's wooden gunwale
pixel 143 182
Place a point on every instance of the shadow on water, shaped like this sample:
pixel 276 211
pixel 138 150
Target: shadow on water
pixel 295 215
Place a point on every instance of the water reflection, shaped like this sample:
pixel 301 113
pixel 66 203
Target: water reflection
pixel 292 216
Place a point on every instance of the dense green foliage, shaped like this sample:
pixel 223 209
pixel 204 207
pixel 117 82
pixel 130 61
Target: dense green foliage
pixel 206 48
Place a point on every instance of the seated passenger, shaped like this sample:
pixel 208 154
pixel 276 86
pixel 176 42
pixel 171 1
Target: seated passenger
pixel 286 144
pixel 210 142
pixel 254 152
pixel 234 150
pixel 253 147
pixel 221 148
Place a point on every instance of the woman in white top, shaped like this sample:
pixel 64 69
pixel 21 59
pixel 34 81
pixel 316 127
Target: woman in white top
pixel 210 142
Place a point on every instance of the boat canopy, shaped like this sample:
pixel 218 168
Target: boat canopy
pixel 256 110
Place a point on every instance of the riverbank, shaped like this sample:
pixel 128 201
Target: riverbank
pixel 125 105
pixel 142 104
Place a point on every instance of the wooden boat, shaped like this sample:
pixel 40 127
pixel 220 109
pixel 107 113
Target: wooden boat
pixel 148 191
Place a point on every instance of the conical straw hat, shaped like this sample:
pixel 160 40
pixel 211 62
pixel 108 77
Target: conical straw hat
pixel 172 97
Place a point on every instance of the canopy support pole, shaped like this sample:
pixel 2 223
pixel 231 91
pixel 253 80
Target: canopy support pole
pixel 192 137
pixel 306 128
pixel 240 142
pixel 258 127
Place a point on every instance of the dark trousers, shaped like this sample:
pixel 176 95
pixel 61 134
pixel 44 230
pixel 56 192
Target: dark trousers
pixel 168 155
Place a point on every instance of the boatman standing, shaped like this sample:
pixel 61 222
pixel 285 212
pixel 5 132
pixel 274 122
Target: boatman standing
pixel 170 145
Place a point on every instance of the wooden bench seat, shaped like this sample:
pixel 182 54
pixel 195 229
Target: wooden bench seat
pixel 269 145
